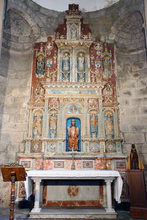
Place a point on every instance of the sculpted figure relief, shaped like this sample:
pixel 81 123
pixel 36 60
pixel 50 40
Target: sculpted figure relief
pixel 37 126
pixel 73 133
pixel 109 128
pixel 40 65
pixel 93 125
pixel 107 66
pixel 66 67
pixel 81 67
pixel 53 125
pixel 73 33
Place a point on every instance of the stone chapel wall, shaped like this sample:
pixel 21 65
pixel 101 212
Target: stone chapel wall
pixel 26 22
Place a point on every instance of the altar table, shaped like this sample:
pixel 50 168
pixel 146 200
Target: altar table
pixel 108 176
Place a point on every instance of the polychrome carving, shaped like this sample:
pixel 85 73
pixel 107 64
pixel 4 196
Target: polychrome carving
pixel 109 125
pixel 73 137
pixel 73 105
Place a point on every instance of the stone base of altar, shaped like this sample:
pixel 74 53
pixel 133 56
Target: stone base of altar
pixel 75 213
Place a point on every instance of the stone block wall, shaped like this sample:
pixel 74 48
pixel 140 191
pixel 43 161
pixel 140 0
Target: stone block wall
pixel 25 23
pixel 133 106
pixel 15 91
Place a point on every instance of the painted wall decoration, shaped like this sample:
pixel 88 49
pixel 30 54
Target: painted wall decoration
pixel 36 146
pixel 110 147
pixel 51 147
pixel 53 103
pixel 108 94
pixel 73 109
pixel 94 147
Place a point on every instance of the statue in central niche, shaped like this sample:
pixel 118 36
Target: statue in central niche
pixel 73 133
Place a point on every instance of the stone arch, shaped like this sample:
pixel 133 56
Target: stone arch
pixel 30 21
pixel 129 34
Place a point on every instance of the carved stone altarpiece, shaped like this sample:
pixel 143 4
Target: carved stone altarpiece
pixel 73 95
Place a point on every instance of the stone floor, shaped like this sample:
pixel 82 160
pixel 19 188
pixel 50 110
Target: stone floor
pixel 23 214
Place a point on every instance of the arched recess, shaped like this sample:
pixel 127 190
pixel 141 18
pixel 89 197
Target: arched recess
pixel 129 33
pixel 20 29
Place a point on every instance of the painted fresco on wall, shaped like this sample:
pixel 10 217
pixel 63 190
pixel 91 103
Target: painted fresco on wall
pixel 73 134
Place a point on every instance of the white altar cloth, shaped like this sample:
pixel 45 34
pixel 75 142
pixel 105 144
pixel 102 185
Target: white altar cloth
pixel 76 174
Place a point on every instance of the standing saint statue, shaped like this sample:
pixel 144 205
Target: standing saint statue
pixel 134 161
pixel 37 126
pixel 73 133
pixel 73 33
pixel 109 129
pixel 66 67
pixel 93 125
pixel 81 67
pixel 53 125
pixel 40 65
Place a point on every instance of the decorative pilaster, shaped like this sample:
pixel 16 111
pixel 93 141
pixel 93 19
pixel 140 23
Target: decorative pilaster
pixel 85 118
pixel 59 121
pixel 101 130
pixel 116 130
pixel 45 119
pixel 73 65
